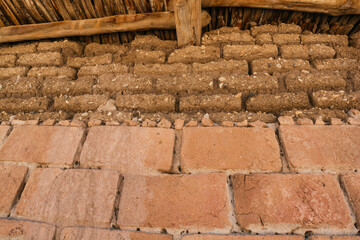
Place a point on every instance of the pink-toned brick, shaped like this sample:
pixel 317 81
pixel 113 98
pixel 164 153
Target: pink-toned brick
pixel 335 238
pixel 12 177
pixel 71 197
pixel 241 237
pixel 193 202
pixel 42 145
pixel 3 133
pixel 351 182
pixel 15 229
pixel 129 149
pixel 316 148
pixel 236 149
pixel 284 203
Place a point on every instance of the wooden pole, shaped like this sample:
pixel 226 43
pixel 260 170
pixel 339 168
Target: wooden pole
pixel 88 27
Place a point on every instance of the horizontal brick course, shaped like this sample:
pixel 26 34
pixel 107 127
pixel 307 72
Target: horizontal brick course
pixel 13 71
pixel 96 49
pixel 41 59
pixel 283 39
pixel 67 47
pixel 18 48
pixel 320 51
pixel 146 102
pixel 279 65
pixel 294 52
pixel 81 103
pixel 238 66
pixel 16 105
pixel 250 52
pixel 189 83
pixel 336 64
pixel 103 69
pixel 143 56
pixel 335 100
pixel 240 37
pixel 211 103
pixel 20 87
pixel 17 229
pixel 151 42
pixel 56 86
pixel 261 83
pixel 161 69
pixel 79 62
pixel 264 29
pixel 240 237
pixel 347 52
pixel 337 40
pixel 192 54
pixel 7 61
pixel 52 72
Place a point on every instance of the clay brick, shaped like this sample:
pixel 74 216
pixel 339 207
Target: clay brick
pixel 241 237
pixel 52 72
pixel 236 149
pixel 197 202
pixel 337 40
pixel 52 145
pixel 261 83
pixel 289 28
pixel 336 64
pixel 78 62
pixel 278 103
pixel 334 100
pixel 250 52
pixel 320 51
pixel 351 183
pixel 160 69
pixel 355 80
pixel 16 105
pixel 56 86
pixel 283 39
pixel 18 48
pixel 41 59
pixel 347 52
pixel 284 203
pixel 217 103
pixel 146 102
pixel 264 29
pixel 16 229
pixel 96 49
pixel 294 51
pixel 66 47
pixel 316 148
pixel 143 56
pixel 154 156
pixel 192 54
pixel 7 61
pixel 12 177
pixel 126 83
pixel 238 66
pixel 15 71
pixel 314 82
pixel 239 38
pixel 279 65
pixel 190 83
pixel 75 233
pixel 103 69
pixel 151 42
pixel 355 43
pixel 81 197
pixel 20 87
pixel 81 103
pixel 4 130
pixel 263 38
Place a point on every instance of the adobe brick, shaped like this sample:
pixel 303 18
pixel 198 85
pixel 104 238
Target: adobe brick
pixel 355 80
pixel 13 71
pixel 155 155
pixel 289 28
pixel 203 205
pixel 284 203
pixel 54 145
pixel 211 103
pixel 67 47
pixel 81 197
pixel 279 65
pixel 320 51
pixel 333 99
pixel 264 29
pixel 20 87
pixel 81 103
pixel 12 177
pixel 16 105
pixel 234 149
pixel 161 69
pixel 97 49
pixel 151 42
pixel 78 62
pixel 337 40
pixel 7 61
pixel 351 184
pixel 294 51
pixel 143 56
pixel 192 54
pixel 56 86
pixel 347 52
pixel 52 72
pixel 238 66
pixel 261 83
pixel 18 48
pixel 190 83
pixel 103 69
pixel 317 148
pixel 18 229
pixel 4 130
pixel 355 43
pixel 283 39
pixel 250 52
pixel 238 38
pixel 263 38
pixel 146 102
pixel 336 64
pixel 41 59
pixel 241 237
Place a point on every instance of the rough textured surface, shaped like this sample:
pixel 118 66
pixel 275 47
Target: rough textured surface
pixel 15 229
pixel 3 133
pixel 250 52
pixel 352 187
pixel 238 237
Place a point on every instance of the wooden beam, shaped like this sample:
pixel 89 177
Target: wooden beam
pixel 88 27
pixel 188 21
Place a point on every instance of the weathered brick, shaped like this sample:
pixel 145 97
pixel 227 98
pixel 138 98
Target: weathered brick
pixel 263 38
pixel 355 43
pixel 250 52
pixel 96 49
pixel 18 48
pixel 143 56
pixel 264 29
pixel 335 100
pixel 238 66
pixel 4 130
pixel 315 81
pixel 12 177
pixel 191 83
pixel 14 71
pixel 235 37
pixel 7 61
pixel 261 83
pixel 294 52
pixel 75 233
pixel 335 238
pixel 16 105
pixel 347 52
pixel 160 69
pixel 289 28
pixel 103 69
pixel 151 42
pixel 41 59
pixel 217 103
pixel 146 102
pixel 354 78
pixel 351 183
pixel 192 54
pixel 16 229
pixel 320 51
pixel 126 83
pixel 70 197
pixel 196 202
pixel 336 64
pixel 278 103
pixel 238 149
pixel 241 237
pixel 89 61
pixel 279 65
pixel 53 145
pixel 155 155
pixel 337 40
pixel 283 39
pixel 81 103
pixel 52 72
pixel 56 86
pixel 284 203
pixel 316 148
pixel 66 47
pixel 20 87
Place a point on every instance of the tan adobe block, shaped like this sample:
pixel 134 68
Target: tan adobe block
pixel 263 38
pixel 233 149
pixel 336 100
pixel 143 56
pixel 283 39
pixel 13 71
pixel 219 102
pixel 316 148
pixel 297 203
pixel 134 150
pixel 12 179
pixel 20 87
pixel 41 59
pixel 16 105
pixel 56 86
pixel 238 66
pixel 192 54
pixel 18 48
pixel 240 38
pixel 96 49
pixel 7 61
pixel 103 69
pixel 241 237
pixel 279 65
pixel 79 62
pixel 320 51
pixel 351 183
pixel 17 229
pixel 250 52
pixel 190 83
pixel 289 28
pixel 161 69
pixel 42 145
pixel 196 203
pixel 294 51
pixel 146 102
pixel 337 40
pixel 336 64
pixel 67 47
pixel 52 72
pixel 264 29
pixel 4 130
pixel 81 197
pixel 81 103
pixel 347 52
pixel 355 43
pixel 151 42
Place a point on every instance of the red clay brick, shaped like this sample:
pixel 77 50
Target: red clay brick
pixel 241 237
pixel 196 202
pixel 237 149
pixel 335 238
pixel 134 150
pixel 351 182
pixel 283 39
pixel 3 132
pixel 81 103
pixel 192 54
pixel 70 197
pixel 7 61
pixel 227 103
pixel 347 52
pixel 279 65
pixel 286 203
pixel 146 102
pixel 261 83
pixel 89 61
pixel 75 233
pixel 17 229
pixel 160 69
pixel 52 72
pixel 41 144
pixel 294 51
pixel 41 59
pixel 14 71
pixel 250 52
pixel 11 176
pixel 103 69
pixel 316 148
